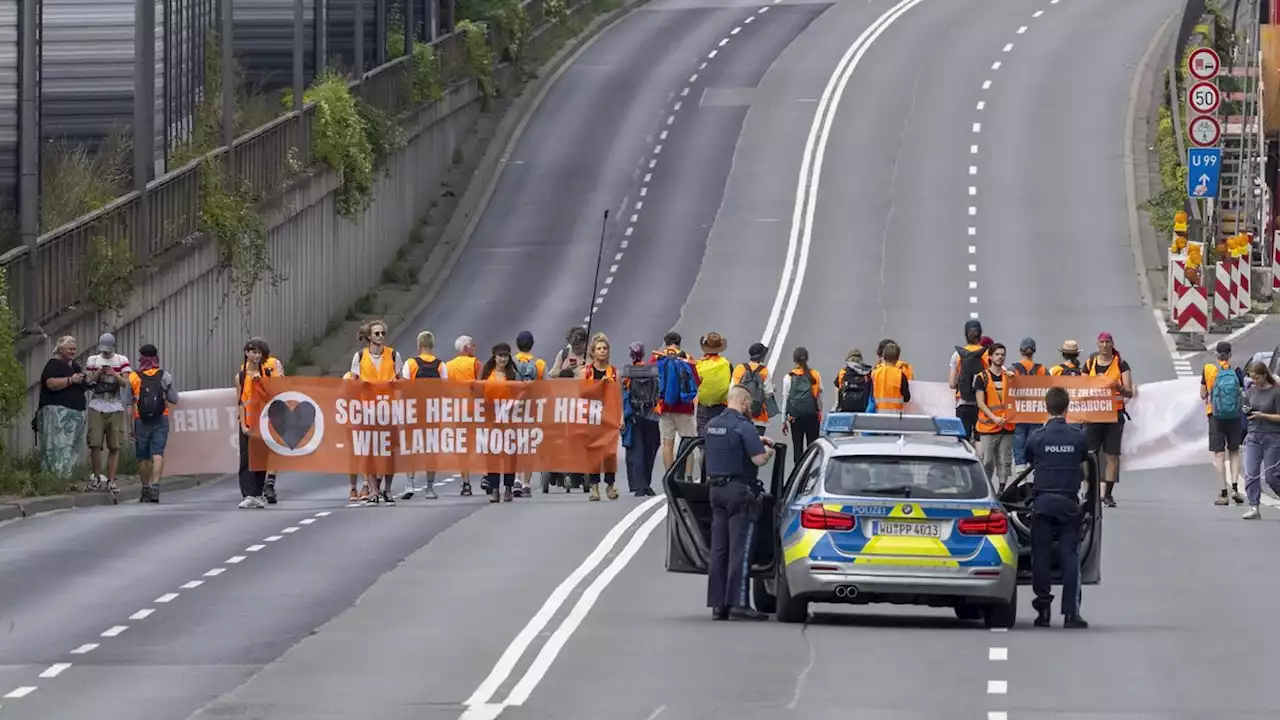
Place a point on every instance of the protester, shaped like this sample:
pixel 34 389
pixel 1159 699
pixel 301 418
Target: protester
pixel 1107 437
pixel 890 387
pixel 154 393
pixel 640 435
pixel 426 366
pixel 994 431
pixel 601 371
pixel 677 392
pixel 465 367
pixel 1070 365
pixel 529 367
pixel 1021 431
pixel 714 373
pixel 500 368
pixel 802 388
pixel 854 390
pixel 573 356
pixel 108 382
pixel 378 363
pixel 753 376
pixel 258 363
pixel 1222 390
pixel 1262 444
pixel 967 362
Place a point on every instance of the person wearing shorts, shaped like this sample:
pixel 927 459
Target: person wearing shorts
pixel 151 434
pixel 1107 437
pixel 676 423
pixel 1226 436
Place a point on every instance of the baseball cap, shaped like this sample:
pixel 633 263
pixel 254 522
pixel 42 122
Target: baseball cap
pixel 1223 348
pixel 972 325
pixel 524 338
pixel 1027 344
pixel 106 341
pixel 757 351
pixel 148 350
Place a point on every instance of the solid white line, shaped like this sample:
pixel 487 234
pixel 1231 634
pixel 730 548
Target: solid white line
pixel 291 529
pixel 542 663
pixel 507 662
pixel 254 548
pixel 273 538
pixel 1008 47
pixel 306 521
pixel 85 648
pixel 114 631
pixel 986 84
pixel 191 585
pixel 54 670
pixel 167 597
pixel 20 692
pixel 810 178
pixel 215 572
pixel 998 653
pixel 234 560
pixel 142 614
pixel 997 687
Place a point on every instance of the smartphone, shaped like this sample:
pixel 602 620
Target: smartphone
pixel 1248 410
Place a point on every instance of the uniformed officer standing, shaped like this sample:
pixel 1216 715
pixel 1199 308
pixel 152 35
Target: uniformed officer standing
pixel 734 451
pixel 1056 451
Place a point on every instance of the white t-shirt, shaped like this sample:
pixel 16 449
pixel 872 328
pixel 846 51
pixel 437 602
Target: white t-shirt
pixel 399 365
pixel 109 402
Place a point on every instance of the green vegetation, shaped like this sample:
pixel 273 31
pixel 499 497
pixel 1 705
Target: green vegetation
pixel 479 56
pixel 1171 196
pixel 110 266
pixel 13 376
pixel 300 357
pixel 340 140
pixel 505 17
pixel 76 180
pixel 229 216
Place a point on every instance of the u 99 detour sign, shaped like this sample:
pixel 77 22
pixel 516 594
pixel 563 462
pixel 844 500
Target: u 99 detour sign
pixel 1093 399
pixel 326 425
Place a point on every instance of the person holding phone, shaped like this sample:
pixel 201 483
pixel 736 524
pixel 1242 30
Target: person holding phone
pixel 1262 443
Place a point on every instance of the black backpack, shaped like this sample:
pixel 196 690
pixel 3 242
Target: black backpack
pixel 1020 369
pixel 754 383
pixel 1071 370
pixel 855 389
pixel 151 403
pixel 642 387
pixel 427 370
pixel 971 366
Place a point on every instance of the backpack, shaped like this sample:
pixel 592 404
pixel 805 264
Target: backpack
pixel 151 395
pixel 754 384
pixel 675 381
pixel 1020 369
pixel 854 390
pixel 642 388
pixel 1224 398
pixel 800 399
pixel 426 370
pixel 526 369
pixel 971 366
pixel 1071 370
pixel 715 375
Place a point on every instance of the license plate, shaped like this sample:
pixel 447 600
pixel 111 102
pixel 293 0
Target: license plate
pixel 906 529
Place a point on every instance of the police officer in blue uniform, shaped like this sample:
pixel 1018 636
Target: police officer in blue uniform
pixel 1056 451
pixel 734 451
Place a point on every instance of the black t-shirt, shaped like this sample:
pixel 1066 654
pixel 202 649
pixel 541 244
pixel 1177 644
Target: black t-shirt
pixel 598 374
pixel 1101 368
pixel 73 396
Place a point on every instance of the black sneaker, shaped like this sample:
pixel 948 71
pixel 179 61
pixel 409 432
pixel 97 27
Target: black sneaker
pixel 1109 501
pixel 155 494
pixel 269 492
pixel 386 498
pixel 145 494
pixel 1074 622
pixel 466 489
pixel 1235 495
pixel 719 613
pixel 746 613
pixel 1042 618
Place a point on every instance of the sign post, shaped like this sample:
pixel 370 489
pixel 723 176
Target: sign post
pixel 1204 171
pixel 1204 179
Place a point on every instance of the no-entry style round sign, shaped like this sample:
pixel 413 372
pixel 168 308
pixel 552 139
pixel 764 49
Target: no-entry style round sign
pixel 1204 131
pixel 1204 63
pixel 1204 97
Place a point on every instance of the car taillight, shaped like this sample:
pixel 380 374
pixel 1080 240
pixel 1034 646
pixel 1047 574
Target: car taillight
pixel 997 523
pixel 817 517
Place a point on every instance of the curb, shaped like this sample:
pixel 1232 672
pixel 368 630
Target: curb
pixel 31 507
pixel 484 181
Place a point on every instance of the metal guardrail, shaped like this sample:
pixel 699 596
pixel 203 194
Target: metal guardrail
pixel 265 158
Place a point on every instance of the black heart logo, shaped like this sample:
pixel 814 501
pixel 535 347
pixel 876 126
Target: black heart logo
pixel 291 424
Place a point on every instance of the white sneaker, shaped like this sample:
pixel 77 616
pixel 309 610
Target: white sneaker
pixel 246 504
pixel 259 503
pixel 1252 513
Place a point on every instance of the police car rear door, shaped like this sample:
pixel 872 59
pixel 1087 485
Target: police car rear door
pixel 1015 500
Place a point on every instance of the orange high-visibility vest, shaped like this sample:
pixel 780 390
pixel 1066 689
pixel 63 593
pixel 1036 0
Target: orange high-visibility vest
pixel 995 399
pixel 384 371
pixel 886 388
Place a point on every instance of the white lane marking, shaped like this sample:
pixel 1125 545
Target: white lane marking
pixel 997 687
pixel 995 65
pixel 973 231
pixel 648 177
pixel 653 162
pixel 973 250
pixel 273 538
pixel 507 662
pixel 644 189
pixel 711 54
pixel 306 521
pixel 973 316
pixel 624 244
pixel 254 548
pixel 981 104
pixel 142 614
pixel 998 654
pixel 608 281
pixel 684 92
pixel 114 631
pixel 973 300
pixel 973 268
pixel 191 585
pixel 999 630
pixel 324 513
pixel 761 10
pixel 736 30
pixel 85 649
pixel 640 204
pixel 291 529
pixel 807 185
pixel 54 670
pixel 749 19
pixel 21 692
pixel 629 231
pixel 657 149
pixel 973 284
pixel 234 560
pixel 972 211
pixel 167 597
pixel 613 269
pixel 997 715
pixel 1008 47
pixel 1037 13
pixel 986 84
pixel 694 77
pixel 973 190
pixel 542 663
pixel 973 169
pixel 973 149
pixel 1022 29
pixel 977 127
pixel 215 572
pixel 677 105
pixel 724 42
pixel 618 256
pixel 635 218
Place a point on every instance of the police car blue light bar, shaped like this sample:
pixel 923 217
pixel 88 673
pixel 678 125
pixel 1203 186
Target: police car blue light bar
pixel 891 424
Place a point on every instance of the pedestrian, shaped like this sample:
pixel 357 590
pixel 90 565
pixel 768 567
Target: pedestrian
pixel 1070 365
pixel 258 363
pixel 600 371
pixel 378 363
pixel 366 487
pixel 1221 389
pixel 640 435
pixel 890 387
pixel 60 416
pixel 1107 437
pixel 529 367
pixel 754 376
pixel 108 382
pixel 573 356
pixel 465 367
pixel 1262 444
pixel 714 373
pixel 500 368
pixel 154 393
pixel 967 363
pixel 1057 452
pixel 677 395
pixel 1027 365
pixel 994 431
pixel 734 452
pixel 358 493
pixel 802 388
pixel 426 366
pixel 854 391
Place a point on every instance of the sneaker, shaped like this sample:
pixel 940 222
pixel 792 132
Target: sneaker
pixel 508 495
pixel 1222 498
pixel 260 503
pixel 611 492
pixel 386 498
pixel 408 493
pixel 1074 622
pixel 430 494
pixel 746 613
pixel 246 504
pixel 595 493
pixel 354 496
pixel 494 496
pixel 372 499
pixel 1109 501
pixel 1253 513
pixel 269 492
pixel 144 495
pixel 1236 496
pixel 466 489
pixel 155 493
pixel 95 483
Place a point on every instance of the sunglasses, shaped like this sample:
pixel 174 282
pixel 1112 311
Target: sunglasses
pixel 378 334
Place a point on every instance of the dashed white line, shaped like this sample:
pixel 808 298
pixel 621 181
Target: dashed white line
pixel 652 163
pixel 640 203
pixel 234 560
pixel 635 218
pixel 191 585
pixel 997 687
pixel 684 92
pixel 645 190
pixel 997 715
pixel 323 513
pixel 749 19
pixel 648 177
pixel 254 548
pixel 986 84
pixel 973 231
pixel 694 77
pixel 21 692
pixel 215 572
pixel 613 269
pixel 973 250
pixel 85 649
pixel 999 630
pixel 995 65
pixel 973 149
pixel 114 630
pixel 1037 13
pixel 973 300
pixel 998 654
pixel 291 529
pixel 736 30
pixel 972 211
pixel 617 257
pixel 1007 47
pixel 973 316
pixel 677 105
pixel 973 190
pixel 724 42
pixel 973 169
pixel 977 127
pixel 54 670
pixel 711 54
pixel 981 104
pixel 657 149
pixel 973 268
pixel 761 10
pixel 167 597
pixel 142 614
pixel 1022 29
pixel 273 538
pixel 306 521
pixel 973 284
pixel 629 231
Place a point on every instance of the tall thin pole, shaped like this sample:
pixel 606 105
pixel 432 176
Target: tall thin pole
pixel 144 115
pixel 29 41
pixel 359 39
pixel 299 80
pixel 322 36
pixel 410 28
pixel 228 93
pixel 595 286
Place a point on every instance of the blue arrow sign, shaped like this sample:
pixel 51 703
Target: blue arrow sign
pixel 1204 170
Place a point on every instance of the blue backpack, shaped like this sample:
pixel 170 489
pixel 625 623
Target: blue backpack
pixel 1224 399
pixel 675 381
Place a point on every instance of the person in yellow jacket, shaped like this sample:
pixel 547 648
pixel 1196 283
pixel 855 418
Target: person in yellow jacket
pixel 425 366
pixel 715 371
pixel 756 375
pixel 258 363
pixel 994 431
pixel 378 363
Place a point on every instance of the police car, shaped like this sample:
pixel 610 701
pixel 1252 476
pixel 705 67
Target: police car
pixel 883 509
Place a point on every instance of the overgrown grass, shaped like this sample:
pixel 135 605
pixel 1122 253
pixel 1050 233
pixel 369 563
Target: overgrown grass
pixel 77 179
pixel 22 476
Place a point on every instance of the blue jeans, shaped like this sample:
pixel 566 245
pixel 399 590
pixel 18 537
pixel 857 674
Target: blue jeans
pixel 1021 433
pixel 150 438
pixel 1261 460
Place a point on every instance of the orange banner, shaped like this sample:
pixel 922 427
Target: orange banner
pixel 1093 399
pixel 327 425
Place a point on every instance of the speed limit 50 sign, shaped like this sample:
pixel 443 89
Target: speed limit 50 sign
pixel 1204 98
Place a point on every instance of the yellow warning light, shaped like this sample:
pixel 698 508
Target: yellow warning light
pixel 1180 221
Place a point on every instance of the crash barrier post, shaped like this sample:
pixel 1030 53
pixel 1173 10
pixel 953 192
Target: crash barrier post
pixel 1223 299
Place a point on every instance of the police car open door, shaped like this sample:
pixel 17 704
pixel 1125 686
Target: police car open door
pixel 1016 499
pixel 689 514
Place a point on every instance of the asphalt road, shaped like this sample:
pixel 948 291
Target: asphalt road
pixel 560 608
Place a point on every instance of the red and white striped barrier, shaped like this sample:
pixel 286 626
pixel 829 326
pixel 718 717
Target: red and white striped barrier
pixel 1177 279
pixel 1192 309
pixel 1223 291
pixel 1243 297
pixel 1275 261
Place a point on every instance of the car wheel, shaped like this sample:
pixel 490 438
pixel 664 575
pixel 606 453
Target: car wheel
pixel 969 612
pixel 1003 615
pixel 766 602
pixel 790 609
